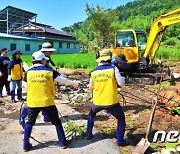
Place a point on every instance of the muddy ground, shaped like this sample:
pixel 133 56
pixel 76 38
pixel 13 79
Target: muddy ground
pixel 136 102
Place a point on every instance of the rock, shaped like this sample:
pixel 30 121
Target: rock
pixel 78 98
pixel 178 149
pixel 176 75
pixel 64 97
pixel 65 101
pixel 81 91
pixel 8 112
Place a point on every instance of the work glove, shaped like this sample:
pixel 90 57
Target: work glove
pixel 1 74
pixel 9 78
pixel 75 85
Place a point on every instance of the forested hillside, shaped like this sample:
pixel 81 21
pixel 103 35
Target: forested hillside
pixel 101 25
pixel 140 14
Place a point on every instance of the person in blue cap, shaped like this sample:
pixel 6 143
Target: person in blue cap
pixel 119 61
pixel 104 81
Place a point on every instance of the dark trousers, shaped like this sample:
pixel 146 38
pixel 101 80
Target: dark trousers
pixel 3 81
pixel 116 111
pixel 51 111
pixel 45 116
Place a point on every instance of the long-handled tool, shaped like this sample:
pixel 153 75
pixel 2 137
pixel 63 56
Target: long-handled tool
pixel 143 144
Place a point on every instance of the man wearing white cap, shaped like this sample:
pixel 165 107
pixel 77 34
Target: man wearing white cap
pixel 47 49
pixel 40 96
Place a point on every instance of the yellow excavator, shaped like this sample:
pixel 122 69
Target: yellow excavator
pixel 139 50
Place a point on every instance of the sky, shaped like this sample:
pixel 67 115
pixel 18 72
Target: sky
pixel 60 13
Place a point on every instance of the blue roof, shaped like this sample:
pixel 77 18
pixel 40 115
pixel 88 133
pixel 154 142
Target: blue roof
pixel 4 35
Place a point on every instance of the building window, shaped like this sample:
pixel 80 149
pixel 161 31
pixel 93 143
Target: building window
pixel 74 45
pixel 40 46
pixel 27 47
pixel 60 44
pixel 12 46
pixel 68 45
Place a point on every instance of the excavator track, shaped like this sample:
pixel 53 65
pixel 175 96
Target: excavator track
pixel 140 78
pixel 147 78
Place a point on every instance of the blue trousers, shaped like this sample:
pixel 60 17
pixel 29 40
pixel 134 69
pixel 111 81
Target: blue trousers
pixel 13 84
pixel 116 111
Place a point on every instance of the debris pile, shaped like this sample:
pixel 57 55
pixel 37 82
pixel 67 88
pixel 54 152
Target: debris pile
pixel 69 95
pixel 170 97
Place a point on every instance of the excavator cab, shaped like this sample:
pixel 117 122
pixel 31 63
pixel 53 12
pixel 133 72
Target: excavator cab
pixel 130 43
pixel 140 52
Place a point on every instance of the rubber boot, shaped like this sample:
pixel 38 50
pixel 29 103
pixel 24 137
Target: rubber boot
pixel 19 94
pixel 90 124
pixel 22 117
pixel 27 134
pixel 61 136
pixel 13 96
pixel 45 116
pixel 120 134
pixel 1 89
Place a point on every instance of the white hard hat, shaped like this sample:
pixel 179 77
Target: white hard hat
pixel 36 56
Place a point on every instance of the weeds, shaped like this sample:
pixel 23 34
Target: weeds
pixel 172 145
pixel 73 130
pixel 108 130
pixel 131 122
pixel 164 85
pixel 157 146
pixel 175 110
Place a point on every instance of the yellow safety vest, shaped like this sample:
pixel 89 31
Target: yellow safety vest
pixel 17 72
pixel 105 86
pixel 41 91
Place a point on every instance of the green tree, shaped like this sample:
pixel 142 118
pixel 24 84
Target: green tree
pixel 100 22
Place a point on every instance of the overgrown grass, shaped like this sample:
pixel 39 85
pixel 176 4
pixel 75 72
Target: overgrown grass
pixel 85 60
pixel 169 53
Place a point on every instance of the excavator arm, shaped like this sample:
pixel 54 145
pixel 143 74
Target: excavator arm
pixel 157 30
